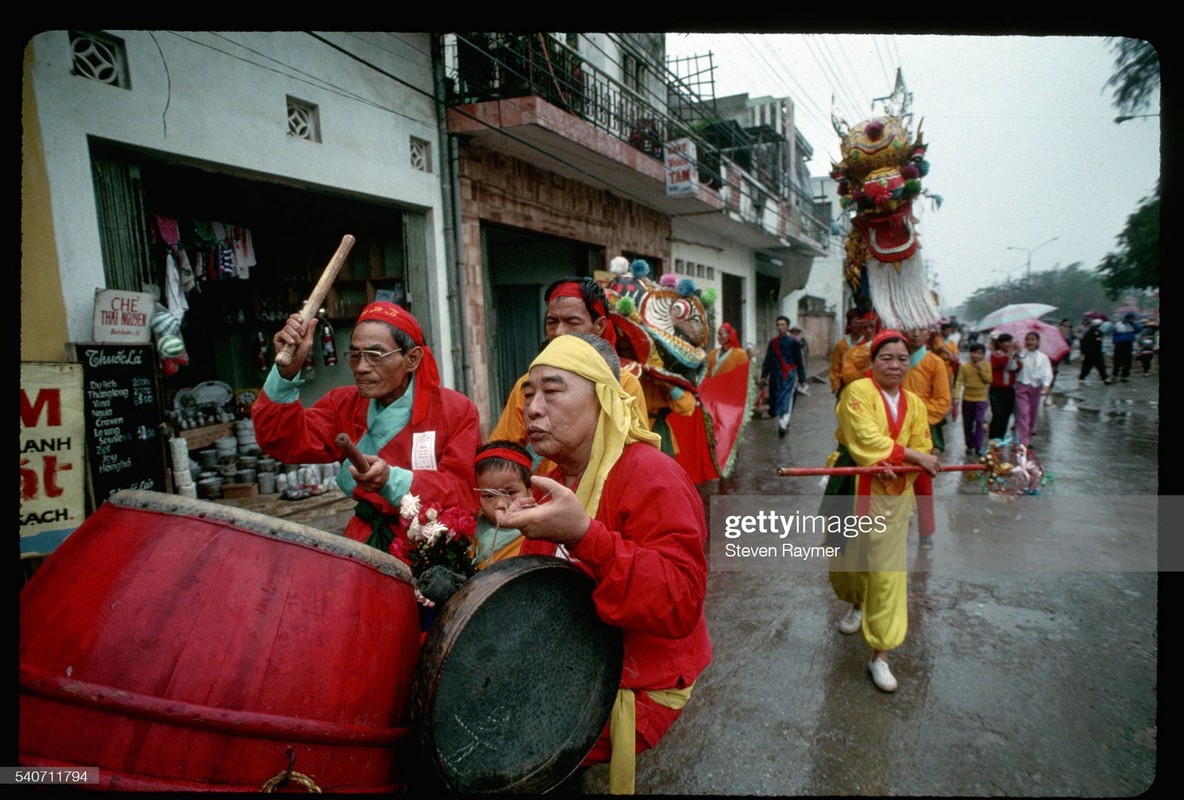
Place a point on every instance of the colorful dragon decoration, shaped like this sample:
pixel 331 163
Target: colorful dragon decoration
pixel 879 178
pixel 664 331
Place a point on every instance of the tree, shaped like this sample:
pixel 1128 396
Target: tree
pixel 1072 289
pixel 1136 74
pixel 1136 264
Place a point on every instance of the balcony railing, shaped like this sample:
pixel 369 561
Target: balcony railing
pixel 482 67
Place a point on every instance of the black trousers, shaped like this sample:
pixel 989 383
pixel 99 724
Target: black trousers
pixel 1002 400
pixel 1089 361
pixel 1123 352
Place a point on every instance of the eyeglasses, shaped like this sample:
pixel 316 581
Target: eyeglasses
pixel 373 357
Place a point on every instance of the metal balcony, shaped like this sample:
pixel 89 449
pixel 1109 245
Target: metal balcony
pixel 531 97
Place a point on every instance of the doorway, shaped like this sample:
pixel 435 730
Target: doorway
pixel 521 265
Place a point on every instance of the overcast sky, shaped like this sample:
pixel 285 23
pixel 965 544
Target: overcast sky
pixel 1023 146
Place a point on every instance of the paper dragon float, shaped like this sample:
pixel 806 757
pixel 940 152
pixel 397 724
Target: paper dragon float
pixel 879 180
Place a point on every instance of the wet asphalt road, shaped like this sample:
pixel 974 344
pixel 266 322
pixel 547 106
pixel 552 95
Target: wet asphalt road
pixel 1013 681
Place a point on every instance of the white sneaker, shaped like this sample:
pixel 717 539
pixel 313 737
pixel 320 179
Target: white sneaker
pixel 881 675
pixel 852 622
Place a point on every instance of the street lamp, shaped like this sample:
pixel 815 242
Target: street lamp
pixel 1133 116
pixel 1030 251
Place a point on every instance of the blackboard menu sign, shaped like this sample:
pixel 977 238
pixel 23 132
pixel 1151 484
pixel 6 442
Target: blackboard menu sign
pixel 121 396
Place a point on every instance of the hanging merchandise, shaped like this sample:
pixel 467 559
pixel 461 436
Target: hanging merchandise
pixel 235 250
pixel 244 251
pixel 169 231
pixel 166 328
pixel 328 348
pixel 261 342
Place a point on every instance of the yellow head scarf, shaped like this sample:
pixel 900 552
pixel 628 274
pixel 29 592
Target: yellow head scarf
pixel 621 421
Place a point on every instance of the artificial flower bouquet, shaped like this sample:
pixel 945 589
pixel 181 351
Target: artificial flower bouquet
pixel 439 544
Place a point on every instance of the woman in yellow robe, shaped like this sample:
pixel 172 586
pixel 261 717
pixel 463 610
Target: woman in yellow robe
pixel 880 424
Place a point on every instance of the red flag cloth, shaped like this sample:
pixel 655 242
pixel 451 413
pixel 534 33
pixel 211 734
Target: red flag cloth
pixel 725 399
pixel 694 450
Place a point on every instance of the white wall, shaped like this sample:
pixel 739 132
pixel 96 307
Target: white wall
pixel 826 276
pixel 689 243
pixel 221 98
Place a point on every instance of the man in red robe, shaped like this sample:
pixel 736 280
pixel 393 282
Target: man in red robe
pixel 628 515
pixel 417 436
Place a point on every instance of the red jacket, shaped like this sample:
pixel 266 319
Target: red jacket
pixel 299 435
pixel 1001 375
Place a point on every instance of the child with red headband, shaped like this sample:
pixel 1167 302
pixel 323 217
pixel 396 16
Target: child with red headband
pixel 503 476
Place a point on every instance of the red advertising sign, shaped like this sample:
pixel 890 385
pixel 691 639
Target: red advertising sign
pixel 52 445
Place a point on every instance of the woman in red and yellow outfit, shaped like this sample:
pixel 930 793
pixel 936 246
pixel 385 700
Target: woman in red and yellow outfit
pixel 880 424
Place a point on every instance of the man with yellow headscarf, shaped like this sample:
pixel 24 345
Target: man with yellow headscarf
pixel 628 515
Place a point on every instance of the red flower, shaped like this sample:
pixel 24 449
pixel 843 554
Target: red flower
pixel 426 507
pixel 458 521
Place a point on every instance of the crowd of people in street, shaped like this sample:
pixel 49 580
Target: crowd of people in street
pixel 1124 340
pixel 575 469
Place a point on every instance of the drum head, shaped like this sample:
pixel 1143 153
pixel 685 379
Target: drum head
pixel 515 679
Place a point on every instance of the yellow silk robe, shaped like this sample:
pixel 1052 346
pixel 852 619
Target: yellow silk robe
pixel 871 570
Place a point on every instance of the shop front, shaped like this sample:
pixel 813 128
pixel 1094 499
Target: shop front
pixel 229 257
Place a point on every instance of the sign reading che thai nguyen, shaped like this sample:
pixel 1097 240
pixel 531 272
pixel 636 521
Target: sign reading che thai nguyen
pixel 53 447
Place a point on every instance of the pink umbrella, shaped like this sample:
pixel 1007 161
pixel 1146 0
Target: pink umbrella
pixel 1052 343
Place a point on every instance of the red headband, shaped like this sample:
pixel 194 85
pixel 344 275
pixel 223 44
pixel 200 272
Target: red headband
pixel 509 455
pixel 882 336
pixel 573 289
pixel 427 375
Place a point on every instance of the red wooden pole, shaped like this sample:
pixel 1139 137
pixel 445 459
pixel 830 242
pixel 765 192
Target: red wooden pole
pixel 801 472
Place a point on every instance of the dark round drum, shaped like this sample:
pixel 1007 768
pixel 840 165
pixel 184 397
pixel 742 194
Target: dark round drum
pixel 516 678
pixel 182 645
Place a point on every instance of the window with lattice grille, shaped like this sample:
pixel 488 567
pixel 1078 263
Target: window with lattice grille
pixel 99 57
pixel 304 120
pixel 421 155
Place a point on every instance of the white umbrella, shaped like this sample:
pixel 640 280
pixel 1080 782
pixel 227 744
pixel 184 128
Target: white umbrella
pixel 1016 312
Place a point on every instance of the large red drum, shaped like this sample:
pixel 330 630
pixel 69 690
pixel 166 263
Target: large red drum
pixel 180 644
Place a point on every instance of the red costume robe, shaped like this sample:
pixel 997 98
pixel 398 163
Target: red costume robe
pixel 645 551
pixel 444 442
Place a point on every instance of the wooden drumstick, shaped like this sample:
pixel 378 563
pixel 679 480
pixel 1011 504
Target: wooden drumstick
pixel 283 356
pixel 352 452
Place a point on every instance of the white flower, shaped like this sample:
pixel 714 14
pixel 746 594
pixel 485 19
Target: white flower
pixel 416 533
pixel 409 506
pixel 431 514
pixel 432 531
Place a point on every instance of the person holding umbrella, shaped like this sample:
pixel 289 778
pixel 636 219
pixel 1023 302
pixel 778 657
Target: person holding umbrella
pixel 1031 384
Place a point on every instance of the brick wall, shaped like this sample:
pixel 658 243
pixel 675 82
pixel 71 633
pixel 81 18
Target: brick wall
pixel 499 189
